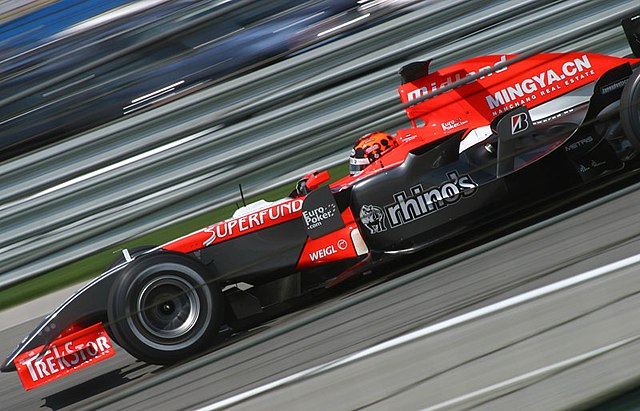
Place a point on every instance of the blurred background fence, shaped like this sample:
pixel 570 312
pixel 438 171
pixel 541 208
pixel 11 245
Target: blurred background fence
pixel 266 123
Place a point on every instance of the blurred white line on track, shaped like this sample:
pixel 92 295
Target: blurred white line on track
pixel 421 333
pixel 514 382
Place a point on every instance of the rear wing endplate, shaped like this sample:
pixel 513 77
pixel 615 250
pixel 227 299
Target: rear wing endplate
pixel 511 126
pixel 631 27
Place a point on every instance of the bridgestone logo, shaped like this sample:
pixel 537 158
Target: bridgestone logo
pixel 519 123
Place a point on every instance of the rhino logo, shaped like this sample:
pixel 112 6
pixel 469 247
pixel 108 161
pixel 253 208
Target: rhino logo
pixel 373 218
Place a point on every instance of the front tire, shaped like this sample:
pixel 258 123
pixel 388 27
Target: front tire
pixel 162 308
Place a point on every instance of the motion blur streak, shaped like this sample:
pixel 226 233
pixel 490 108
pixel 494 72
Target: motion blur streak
pixel 533 374
pixel 343 25
pixel 473 315
pixel 112 167
pixel 109 16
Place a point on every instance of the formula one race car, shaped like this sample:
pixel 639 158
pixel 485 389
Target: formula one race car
pixel 511 133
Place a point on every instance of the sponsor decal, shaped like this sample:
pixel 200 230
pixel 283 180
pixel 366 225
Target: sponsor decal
pixel 320 213
pixel 64 356
pixel 373 218
pixel 545 83
pixel 322 253
pixel 372 148
pixel 409 137
pixel 314 218
pixel 329 248
pixel 265 217
pixel 450 125
pixel 592 165
pixel 579 143
pixel 420 202
pixel 435 86
pixel 617 85
pixel 519 123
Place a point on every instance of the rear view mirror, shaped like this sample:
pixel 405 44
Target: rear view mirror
pixel 316 179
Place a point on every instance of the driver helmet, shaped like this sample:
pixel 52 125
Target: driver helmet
pixel 368 149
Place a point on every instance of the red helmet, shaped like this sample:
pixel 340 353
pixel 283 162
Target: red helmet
pixel 368 149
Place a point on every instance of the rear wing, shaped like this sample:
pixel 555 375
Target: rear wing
pixel 631 27
pixel 418 80
pixel 493 86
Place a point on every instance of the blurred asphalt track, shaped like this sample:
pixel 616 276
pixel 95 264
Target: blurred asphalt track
pixel 508 345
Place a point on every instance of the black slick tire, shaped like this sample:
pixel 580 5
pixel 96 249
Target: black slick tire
pixel 630 109
pixel 163 308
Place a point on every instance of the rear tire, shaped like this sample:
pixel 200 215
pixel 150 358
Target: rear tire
pixel 630 109
pixel 162 308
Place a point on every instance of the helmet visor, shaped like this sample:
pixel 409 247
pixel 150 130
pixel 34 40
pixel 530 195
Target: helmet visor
pixel 356 165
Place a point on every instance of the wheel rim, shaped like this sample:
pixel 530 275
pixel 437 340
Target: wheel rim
pixel 168 308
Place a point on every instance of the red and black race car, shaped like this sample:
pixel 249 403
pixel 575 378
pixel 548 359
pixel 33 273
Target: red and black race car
pixel 510 134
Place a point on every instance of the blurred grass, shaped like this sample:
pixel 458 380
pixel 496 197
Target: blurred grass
pixel 93 265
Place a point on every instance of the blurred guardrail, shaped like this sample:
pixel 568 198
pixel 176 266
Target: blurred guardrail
pixel 105 186
pixel 11 9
